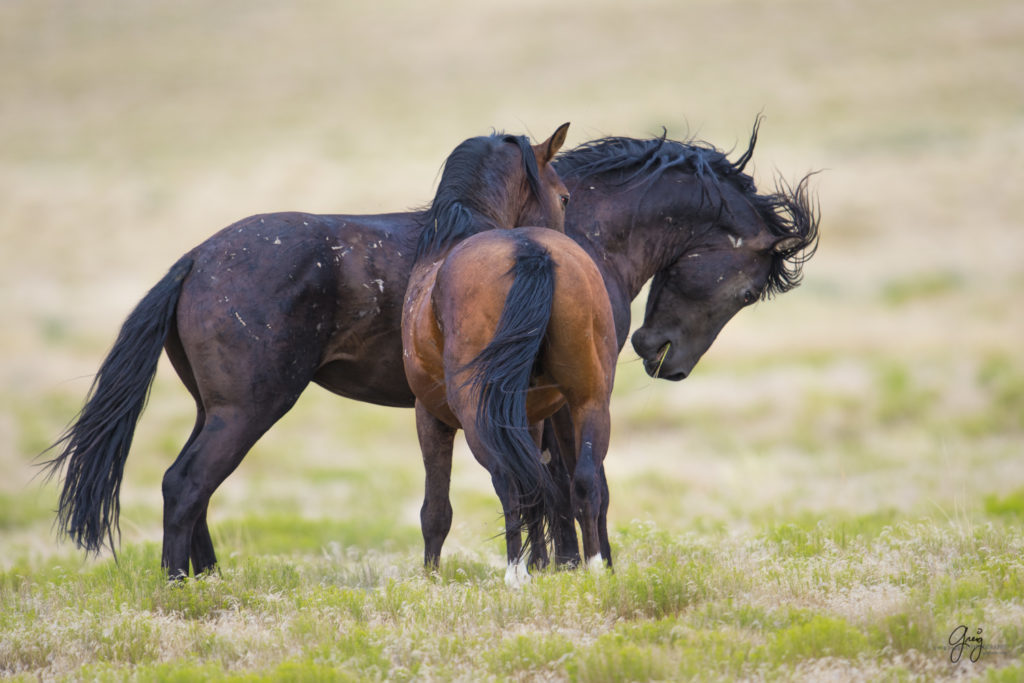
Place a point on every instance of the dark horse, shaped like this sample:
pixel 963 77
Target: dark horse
pixel 500 330
pixel 269 304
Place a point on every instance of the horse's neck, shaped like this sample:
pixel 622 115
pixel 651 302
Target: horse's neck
pixel 628 245
pixel 495 213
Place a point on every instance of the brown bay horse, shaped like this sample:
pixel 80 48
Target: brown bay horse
pixel 499 331
pixel 254 314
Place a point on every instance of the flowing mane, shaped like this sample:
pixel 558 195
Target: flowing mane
pixel 788 212
pixel 471 186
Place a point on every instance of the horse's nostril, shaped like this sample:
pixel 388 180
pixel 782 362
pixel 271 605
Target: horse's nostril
pixel 642 342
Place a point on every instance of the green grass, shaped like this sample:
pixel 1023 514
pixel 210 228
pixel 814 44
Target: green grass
pixel 723 607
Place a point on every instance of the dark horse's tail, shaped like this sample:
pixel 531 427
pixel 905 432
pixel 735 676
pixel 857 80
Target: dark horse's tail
pixel 502 372
pixel 95 447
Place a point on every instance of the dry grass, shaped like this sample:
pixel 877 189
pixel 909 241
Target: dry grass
pixel 886 392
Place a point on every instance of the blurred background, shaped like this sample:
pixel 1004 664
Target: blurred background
pixel 890 385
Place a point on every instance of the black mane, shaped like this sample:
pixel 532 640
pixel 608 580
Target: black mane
pixel 644 161
pixel 629 162
pixel 471 186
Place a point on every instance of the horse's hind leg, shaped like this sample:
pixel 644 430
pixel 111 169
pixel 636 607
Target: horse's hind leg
pixel 588 482
pixel 534 517
pixel 516 572
pixel 559 444
pixel 602 519
pixel 226 436
pixel 204 559
pixel 436 443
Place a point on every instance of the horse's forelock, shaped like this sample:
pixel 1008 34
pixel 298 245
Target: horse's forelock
pixel 789 213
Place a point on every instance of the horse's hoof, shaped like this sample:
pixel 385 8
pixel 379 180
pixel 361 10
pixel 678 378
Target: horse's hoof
pixel 516 575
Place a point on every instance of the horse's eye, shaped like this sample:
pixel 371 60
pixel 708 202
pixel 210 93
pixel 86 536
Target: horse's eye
pixel 749 297
pixel 564 199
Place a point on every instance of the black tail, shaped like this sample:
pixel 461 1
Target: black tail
pixel 502 371
pixel 95 447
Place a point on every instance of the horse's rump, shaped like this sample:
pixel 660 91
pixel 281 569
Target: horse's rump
pixel 470 293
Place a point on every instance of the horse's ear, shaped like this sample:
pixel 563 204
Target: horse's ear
pixel 547 150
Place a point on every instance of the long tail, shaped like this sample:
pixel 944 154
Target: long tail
pixel 502 372
pixel 95 447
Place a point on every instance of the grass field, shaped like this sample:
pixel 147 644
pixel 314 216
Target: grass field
pixel 836 489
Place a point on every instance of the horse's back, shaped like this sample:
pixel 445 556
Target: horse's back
pixel 296 297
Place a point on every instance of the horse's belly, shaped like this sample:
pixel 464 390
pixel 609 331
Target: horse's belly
pixel 542 402
pixel 383 384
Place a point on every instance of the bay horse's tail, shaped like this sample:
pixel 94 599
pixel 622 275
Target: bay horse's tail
pixel 95 447
pixel 502 373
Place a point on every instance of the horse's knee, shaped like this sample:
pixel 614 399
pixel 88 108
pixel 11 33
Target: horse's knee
pixel 436 518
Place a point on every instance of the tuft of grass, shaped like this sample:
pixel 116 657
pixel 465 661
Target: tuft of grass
pixel 809 535
pixel 612 659
pixel 461 569
pixel 905 631
pixel 819 636
pixel 535 655
pixel 960 597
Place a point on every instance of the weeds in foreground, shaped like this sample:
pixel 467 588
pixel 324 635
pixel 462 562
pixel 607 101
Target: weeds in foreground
pixel 882 603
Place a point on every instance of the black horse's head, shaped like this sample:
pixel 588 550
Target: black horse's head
pixel 694 219
pixel 753 247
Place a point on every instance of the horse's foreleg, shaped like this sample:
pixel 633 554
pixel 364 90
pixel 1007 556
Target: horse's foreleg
pixel 436 443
